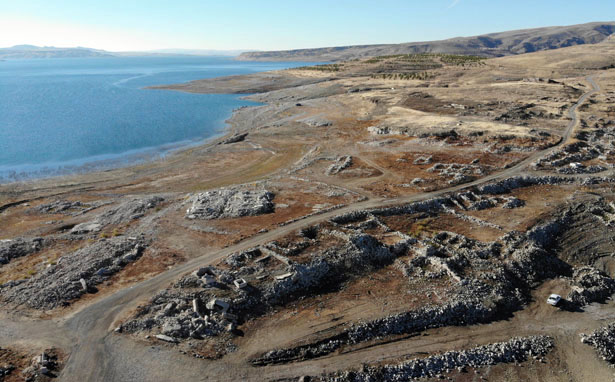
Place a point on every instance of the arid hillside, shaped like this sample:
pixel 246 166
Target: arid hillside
pixel 488 45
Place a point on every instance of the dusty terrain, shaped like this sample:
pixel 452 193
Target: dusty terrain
pixel 393 217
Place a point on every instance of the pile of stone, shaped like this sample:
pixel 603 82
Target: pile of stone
pixel 507 185
pixel 577 168
pixel 591 144
pixel 180 314
pixel 512 202
pixel 590 285
pixel 129 210
pixel 239 259
pixel 66 207
pixel 451 253
pixel 423 160
pixel 74 274
pixel 469 200
pixel 603 341
pixel 230 202
pixel 340 164
pixel 125 212
pixel 42 367
pixel 14 248
pixel 516 350
pixel 460 173
pixel 382 130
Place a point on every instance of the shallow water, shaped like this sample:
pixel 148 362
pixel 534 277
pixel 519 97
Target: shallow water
pixel 66 115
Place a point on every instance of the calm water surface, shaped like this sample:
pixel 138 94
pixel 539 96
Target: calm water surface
pixel 66 115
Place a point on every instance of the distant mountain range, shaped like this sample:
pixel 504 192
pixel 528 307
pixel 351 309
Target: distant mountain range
pixel 32 51
pixel 489 45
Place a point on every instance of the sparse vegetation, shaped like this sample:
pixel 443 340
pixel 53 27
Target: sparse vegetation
pixel 405 76
pixel 323 68
pixel 435 59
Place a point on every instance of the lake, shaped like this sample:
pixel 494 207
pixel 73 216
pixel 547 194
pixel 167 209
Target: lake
pixel 60 116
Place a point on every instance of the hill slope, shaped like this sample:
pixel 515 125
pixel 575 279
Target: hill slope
pixel 490 45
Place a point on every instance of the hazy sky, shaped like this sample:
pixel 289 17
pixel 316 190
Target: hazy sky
pixel 122 25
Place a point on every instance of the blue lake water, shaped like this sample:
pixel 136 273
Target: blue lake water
pixel 66 115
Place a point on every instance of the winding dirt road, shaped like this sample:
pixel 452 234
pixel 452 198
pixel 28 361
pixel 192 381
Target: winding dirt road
pixel 97 354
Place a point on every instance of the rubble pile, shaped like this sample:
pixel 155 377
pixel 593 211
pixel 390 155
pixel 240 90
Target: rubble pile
pixel 595 143
pixel 470 200
pixel 43 367
pixel 74 274
pixel 182 317
pixel 603 341
pixel 125 212
pixel 340 164
pixel 460 173
pixel 423 159
pixel 516 350
pixel 66 207
pixel 507 185
pixel 230 203
pixel 14 248
pixel 512 202
pixel 590 285
pixel 362 253
pixel 453 254
pixel 129 210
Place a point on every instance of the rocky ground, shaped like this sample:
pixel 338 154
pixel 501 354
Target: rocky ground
pixel 387 218
pixel 17 365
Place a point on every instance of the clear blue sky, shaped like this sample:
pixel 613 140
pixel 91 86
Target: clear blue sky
pixel 275 24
